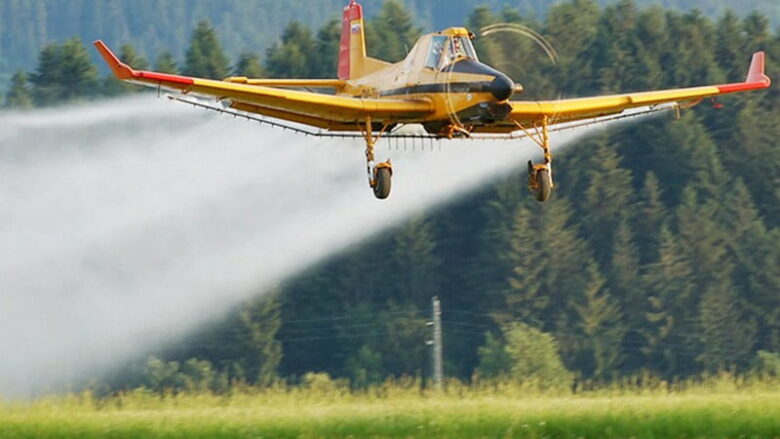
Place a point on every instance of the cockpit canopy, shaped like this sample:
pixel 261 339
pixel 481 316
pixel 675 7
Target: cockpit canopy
pixel 445 50
pixel 436 51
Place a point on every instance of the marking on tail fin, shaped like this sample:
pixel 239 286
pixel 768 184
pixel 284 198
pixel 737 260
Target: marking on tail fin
pixel 351 34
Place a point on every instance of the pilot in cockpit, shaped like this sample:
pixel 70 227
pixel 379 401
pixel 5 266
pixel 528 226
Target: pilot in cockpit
pixel 456 48
pixel 457 51
pixel 437 48
pixel 461 48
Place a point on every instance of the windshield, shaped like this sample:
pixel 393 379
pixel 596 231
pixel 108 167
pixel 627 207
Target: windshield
pixel 450 49
pixel 435 52
pixel 461 48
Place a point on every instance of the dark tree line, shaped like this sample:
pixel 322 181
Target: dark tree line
pixel 26 26
pixel 659 253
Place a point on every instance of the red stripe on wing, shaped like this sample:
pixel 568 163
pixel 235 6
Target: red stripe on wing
pixel 164 77
pixel 732 88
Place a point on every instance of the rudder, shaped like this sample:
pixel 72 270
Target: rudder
pixel 352 51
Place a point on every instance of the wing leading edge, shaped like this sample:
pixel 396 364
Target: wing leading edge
pixel 322 110
pixel 567 110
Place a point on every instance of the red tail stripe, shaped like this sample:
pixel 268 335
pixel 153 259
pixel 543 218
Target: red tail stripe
pixel 353 11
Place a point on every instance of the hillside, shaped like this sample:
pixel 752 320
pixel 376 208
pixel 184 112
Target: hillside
pixel 659 253
pixel 156 25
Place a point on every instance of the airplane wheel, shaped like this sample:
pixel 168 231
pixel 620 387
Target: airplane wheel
pixel 543 185
pixel 383 178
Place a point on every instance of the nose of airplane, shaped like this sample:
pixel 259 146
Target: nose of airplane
pixel 502 87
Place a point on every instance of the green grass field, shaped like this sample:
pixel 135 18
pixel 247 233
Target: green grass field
pixel 390 412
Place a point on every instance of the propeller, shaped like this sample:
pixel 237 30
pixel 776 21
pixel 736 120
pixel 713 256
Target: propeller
pixel 502 87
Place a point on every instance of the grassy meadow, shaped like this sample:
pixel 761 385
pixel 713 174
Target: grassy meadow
pixel 719 408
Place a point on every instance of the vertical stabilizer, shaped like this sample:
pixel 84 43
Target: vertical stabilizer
pixel 352 52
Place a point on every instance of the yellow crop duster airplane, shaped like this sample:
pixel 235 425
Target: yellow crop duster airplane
pixel 441 85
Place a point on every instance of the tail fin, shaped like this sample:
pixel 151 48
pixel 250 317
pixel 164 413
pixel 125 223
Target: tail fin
pixel 352 52
pixel 756 72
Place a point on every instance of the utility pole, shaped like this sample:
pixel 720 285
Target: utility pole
pixel 435 341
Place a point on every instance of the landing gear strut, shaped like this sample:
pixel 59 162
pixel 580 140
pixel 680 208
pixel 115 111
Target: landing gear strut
pixel 380 175
pixel 540 180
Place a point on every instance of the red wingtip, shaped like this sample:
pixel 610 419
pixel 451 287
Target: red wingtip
pixel 756 73
pixel 120 69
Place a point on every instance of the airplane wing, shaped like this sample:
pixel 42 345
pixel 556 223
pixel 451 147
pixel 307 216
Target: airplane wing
pixel 316 109
pixel 529 113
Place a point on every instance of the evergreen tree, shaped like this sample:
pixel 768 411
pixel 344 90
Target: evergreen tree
pixel 64 73
pixel 526 298
pixel 546 280
pixel 711 180
pixel 726 335
pixel 260 319
pixel 620 57
pixel 166 63
pixel 494 360
pixel 655 141
pixel 608 198
pixel 730 47
pixel 395 340
pixel 248 65
pixel 693 61
pixel 623 274
pixel 756 152
pixel 756 28
pixel 392 33
pixel 294 57
pixel 314 296
pixel 326 54
pixel 669 289
pixel 704 245
pixel 600 327
pixel 365 368
pixel 492 265
pixel 129 56
pixel 19 95
pixel 535 357
pixel 650 217
pixel 702 240
pixel 757 265
pixel 487 47
pixel 416 264
pixel 362 268
pixel 571 27
pixel 205 57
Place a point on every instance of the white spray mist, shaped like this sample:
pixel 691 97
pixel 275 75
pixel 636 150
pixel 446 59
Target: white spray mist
pixel 125 222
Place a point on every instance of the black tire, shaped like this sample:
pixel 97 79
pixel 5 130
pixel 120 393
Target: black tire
pixel 543 185
pixel 384 177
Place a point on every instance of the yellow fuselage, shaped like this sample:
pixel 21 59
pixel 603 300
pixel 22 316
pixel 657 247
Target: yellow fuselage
pixel 458 87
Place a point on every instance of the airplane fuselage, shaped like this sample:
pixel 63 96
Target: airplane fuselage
pixel 441 68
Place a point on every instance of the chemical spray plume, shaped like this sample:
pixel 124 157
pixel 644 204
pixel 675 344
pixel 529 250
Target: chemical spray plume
pixel 125 222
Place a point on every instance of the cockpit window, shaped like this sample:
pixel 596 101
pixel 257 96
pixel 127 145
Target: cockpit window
pixel 436 51
pixel 445 50
pixel 461 47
